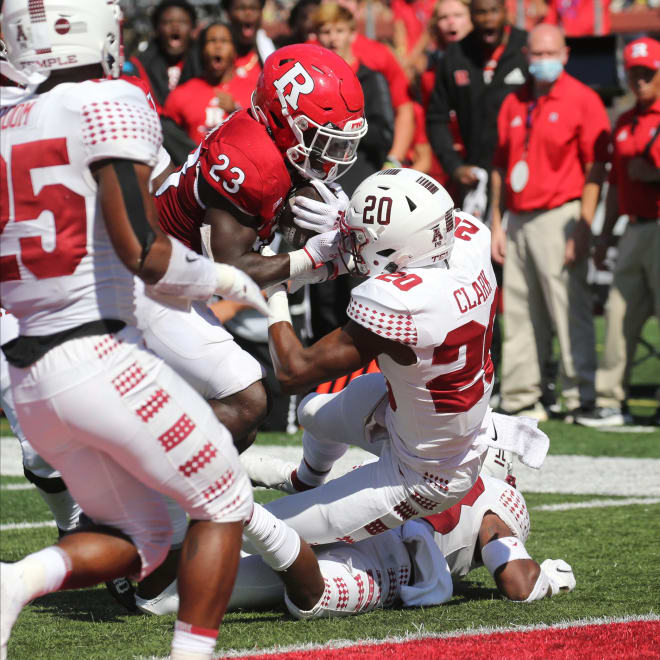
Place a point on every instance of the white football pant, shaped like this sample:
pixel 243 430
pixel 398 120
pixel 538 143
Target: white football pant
pixel 122 427
pixel 374 497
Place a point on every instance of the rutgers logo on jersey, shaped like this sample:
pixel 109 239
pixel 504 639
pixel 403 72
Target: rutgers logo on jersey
pixel 300 82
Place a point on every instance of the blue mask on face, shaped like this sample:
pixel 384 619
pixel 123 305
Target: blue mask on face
pixel 547 70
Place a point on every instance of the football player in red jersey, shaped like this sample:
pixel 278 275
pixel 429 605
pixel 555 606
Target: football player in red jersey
pixel 306 120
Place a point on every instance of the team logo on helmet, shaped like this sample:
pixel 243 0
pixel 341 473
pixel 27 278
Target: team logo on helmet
pixel 299 80
pixel 62 26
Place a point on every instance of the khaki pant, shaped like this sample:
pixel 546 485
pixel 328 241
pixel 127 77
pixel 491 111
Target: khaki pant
pixel 633 297
pixel 542 295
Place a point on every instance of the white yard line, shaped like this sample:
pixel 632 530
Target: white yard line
pixel 27 525
pixel 420 633
pixel 594 504
pixel 578 475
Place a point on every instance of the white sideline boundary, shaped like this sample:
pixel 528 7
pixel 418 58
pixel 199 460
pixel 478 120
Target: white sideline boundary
pixel 422 634
pixel 575 475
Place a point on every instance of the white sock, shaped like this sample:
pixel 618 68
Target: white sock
pixel 276 542
pixel 64 508
pixel 192 642
pixel 43 572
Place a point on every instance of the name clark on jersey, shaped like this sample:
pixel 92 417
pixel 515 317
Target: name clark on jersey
pixel 467 300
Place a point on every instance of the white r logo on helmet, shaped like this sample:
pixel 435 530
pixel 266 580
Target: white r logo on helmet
pixel 301 83
pixel 639 50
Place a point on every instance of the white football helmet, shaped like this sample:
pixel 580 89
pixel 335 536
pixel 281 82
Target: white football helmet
pixel 398 218
pixel 47 35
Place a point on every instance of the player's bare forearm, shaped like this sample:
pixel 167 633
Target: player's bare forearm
pixel 130 217
pixel 233 235
pixel 299 368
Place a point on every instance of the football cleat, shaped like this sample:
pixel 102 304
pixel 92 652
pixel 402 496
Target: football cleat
pixel 269 472
pixel 123 591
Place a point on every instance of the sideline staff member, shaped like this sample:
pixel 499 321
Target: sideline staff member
pixel 550 160
pixel 634 191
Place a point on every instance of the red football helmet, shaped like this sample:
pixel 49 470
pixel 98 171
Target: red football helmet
pixel 312 103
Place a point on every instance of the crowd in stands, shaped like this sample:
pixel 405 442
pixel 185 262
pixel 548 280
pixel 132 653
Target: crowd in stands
pixel 476 94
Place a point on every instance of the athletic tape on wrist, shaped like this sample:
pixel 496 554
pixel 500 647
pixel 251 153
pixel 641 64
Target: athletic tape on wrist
pixel 501 551
pixel 299 262
pixel 188 274
pixel 278 308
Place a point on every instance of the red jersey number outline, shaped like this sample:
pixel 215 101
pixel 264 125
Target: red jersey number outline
pixel 465 352
pixel 402 281
pixel 66 206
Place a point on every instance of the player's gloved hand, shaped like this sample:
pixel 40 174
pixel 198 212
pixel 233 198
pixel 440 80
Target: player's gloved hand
pixel 323 247
pixel 560 575
pixel 320 216
pixel 234 284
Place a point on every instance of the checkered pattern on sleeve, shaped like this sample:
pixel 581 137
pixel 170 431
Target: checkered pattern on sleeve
pixel 123 127
pixel 392 322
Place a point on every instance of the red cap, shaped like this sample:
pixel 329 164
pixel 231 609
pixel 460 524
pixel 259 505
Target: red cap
pixel 642 52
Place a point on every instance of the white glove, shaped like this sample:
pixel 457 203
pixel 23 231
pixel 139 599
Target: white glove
pixel 234 284
pixel 318 216
pixel 323 247
pixel 560 575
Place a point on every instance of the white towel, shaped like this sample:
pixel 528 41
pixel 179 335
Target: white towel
pixel 433 584
pixel 520 435
pixel 476 200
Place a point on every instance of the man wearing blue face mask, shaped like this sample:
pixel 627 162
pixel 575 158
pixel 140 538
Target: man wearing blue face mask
pixel 548 169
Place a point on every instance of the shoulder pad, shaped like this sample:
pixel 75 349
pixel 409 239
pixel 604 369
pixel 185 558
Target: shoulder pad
pixel 378 309
pixel 117 122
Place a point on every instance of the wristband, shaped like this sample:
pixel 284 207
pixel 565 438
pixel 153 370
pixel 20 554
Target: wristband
pixel 299 262
pixel 188 274
pixel 500 551
pixel 278 307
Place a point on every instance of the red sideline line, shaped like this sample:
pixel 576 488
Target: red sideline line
pixel 637 639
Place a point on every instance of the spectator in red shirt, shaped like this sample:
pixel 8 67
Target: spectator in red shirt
pixel 549 165
pixel 634 191
pixel 202 103
pixel 580 18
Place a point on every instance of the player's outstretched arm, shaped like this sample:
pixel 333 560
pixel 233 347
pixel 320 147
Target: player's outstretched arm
pixel 517 576
pixel 130 219
pixel 233 234
pixel 338 353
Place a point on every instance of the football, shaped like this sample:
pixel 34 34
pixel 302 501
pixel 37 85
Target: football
pixel 295 236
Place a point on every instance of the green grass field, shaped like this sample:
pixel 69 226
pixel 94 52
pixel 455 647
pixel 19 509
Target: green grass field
pixel 613 550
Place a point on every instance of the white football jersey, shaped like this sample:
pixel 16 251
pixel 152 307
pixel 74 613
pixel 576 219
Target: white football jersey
pixel 58 266
pixel 457 528
pixel 438 405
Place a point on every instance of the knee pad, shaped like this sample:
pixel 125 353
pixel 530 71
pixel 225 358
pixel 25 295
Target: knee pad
pixel 342 416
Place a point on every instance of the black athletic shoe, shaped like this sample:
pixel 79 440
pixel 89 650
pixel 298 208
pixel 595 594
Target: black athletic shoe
pixel 123 591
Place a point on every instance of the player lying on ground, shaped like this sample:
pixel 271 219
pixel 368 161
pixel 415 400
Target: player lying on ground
pixel 413 565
